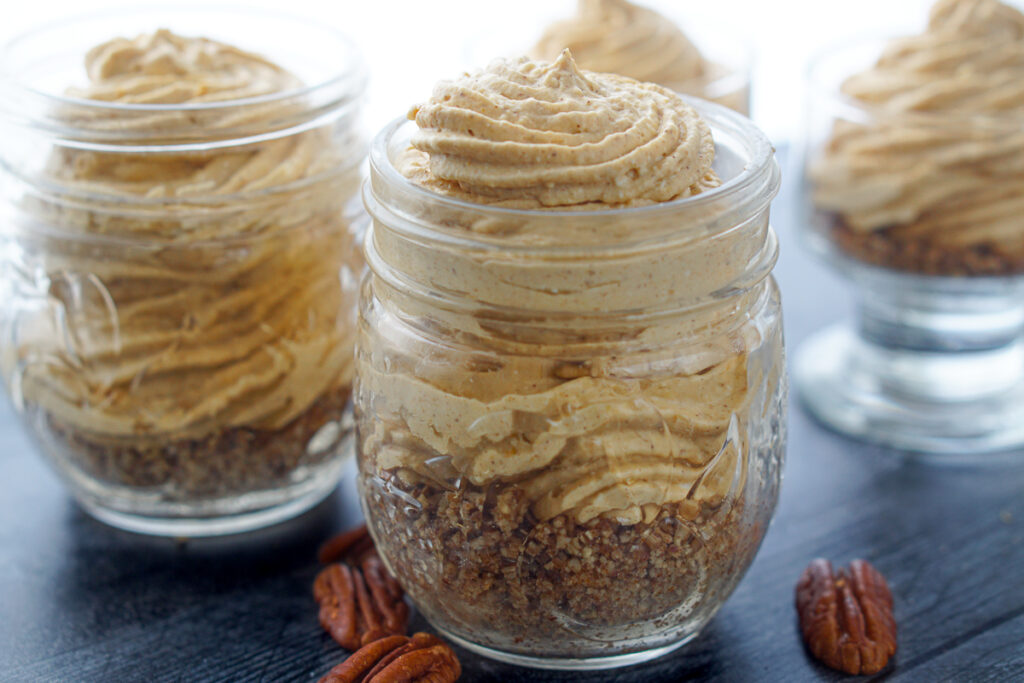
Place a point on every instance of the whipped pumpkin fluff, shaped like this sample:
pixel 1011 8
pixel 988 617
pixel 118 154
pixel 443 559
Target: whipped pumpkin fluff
pixel 617 36
pixel 930 180
pixel 197 331
pixel 519 437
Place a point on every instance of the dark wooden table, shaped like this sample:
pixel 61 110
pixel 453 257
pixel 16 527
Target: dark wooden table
pixel 82 602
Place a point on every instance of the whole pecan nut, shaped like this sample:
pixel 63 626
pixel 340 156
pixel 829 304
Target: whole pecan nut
pixel 846 617
pixel 334 590
pixel 352 543
pixel 358 604
pixel 423 658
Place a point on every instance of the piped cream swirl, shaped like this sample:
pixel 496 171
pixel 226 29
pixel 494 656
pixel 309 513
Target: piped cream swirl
pixel 616 36
pixel 940 157
pixel 593 445
pixel 218 304
pixel 535 134
pixel 165 68
pixel 583 418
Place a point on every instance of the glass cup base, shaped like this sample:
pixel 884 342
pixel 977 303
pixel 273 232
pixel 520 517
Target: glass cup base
pixel 952 405
pixel 570 663
pixel 238 514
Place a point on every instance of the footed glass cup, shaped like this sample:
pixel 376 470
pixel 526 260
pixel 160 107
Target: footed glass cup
pixel 934 360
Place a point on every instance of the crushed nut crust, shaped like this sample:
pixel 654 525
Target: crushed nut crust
pixel 885 249
pixel 228 462
pixel 484 566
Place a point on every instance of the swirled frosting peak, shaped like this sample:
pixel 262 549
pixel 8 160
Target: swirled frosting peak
pixel 941 160
pixel 970 59
pixel 191 319
pixel 616 36
pixel 165 68
pixel 537 134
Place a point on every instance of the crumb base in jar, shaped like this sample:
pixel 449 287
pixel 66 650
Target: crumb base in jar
pixel 479 564
pixel 888 248
pixel 225 463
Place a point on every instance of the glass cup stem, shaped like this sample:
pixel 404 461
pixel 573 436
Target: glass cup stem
pixel 932 364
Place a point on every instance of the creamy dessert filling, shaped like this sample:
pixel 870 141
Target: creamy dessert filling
pixel 588 446
pixel 548 135
pixel 938 164
pixel 553 397
pixel 618 36
pixel 190 292
pixel 530 135
pixel 165 68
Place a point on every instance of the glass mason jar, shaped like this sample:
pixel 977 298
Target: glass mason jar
pixel 180 280
pixel 934 361
pixel 570 424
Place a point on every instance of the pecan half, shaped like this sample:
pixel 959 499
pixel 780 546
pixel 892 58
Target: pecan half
pixel 334 590
pixel 396 659
pixel 359 602
pixel 338 548
pixel 571 369
pixel 386 595
pixel 846 617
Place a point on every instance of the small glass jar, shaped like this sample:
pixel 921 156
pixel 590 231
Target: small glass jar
pixel 180 280
pixel 570 424
pixel 934 362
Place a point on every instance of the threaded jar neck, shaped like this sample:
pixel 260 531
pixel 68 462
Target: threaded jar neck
pixel 659 259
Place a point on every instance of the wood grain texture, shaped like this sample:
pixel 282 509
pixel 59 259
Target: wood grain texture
pixel 83 602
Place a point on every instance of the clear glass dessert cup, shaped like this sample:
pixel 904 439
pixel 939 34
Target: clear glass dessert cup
pixel 571 424
pixel 934 361
pixel 184 361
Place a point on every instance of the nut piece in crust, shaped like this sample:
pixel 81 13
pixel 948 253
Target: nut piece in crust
pixel 846 617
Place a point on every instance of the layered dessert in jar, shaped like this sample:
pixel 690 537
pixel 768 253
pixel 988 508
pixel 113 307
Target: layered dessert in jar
pixel 569 394
pixel 921 171
pixel 182 276
pixel 618 36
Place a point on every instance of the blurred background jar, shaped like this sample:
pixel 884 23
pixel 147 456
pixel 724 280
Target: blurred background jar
pixel 180 257
pixel 571 424
pixel 913 189
pixel 662 45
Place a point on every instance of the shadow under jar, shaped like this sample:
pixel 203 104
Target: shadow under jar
pixel 921 211
pixel 569 451
pixel 180 279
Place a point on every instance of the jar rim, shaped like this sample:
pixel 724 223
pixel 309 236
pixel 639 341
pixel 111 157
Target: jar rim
pixel 823 85
pixel 747 192
pixel 342 87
